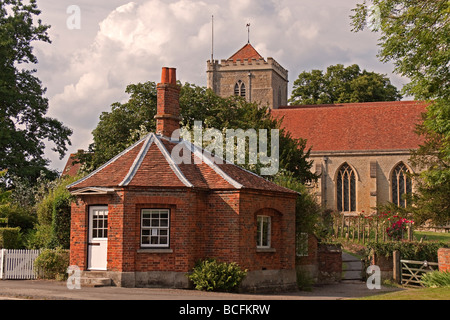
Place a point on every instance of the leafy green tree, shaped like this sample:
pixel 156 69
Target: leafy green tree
pixel 23 124
pixel 126 123
pixel 118 128
pixel 53 216
pixel 307 210
pixel 342 85
pixel 415 36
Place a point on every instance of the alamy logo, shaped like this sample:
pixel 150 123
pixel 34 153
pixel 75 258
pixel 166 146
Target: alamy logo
pixel 373 18
pixel 374 281
pixel 74 279
pixel 241 147
pixel 74 20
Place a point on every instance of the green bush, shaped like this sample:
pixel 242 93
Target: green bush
pixel 40 237
pixel 10 238
pixel 52 264
pixel 61 219
pixel 210 275
pixel 436 279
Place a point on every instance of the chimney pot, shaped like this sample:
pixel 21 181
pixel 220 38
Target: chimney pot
pixel 173 76
pixel 165 75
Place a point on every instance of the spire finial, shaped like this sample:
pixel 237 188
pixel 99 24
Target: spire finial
pixel 212 39
pixel 248 31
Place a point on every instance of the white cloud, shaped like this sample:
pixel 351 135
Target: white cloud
pixel 129 42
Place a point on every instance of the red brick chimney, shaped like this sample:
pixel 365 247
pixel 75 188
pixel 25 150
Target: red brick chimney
pixel 168 104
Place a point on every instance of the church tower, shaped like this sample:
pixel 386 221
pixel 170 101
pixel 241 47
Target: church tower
pixel 246 73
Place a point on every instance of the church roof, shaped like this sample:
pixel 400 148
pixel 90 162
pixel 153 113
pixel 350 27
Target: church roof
pixel 148 163
pixel 247 52
pixel 355 126
pixel 72 166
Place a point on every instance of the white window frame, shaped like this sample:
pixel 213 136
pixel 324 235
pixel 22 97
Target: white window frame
pixel 154 231
pixel 260 221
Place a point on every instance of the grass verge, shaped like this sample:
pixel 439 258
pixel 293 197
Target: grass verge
pixel 442 293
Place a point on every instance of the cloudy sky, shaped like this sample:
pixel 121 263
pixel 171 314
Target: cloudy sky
pixel 119 42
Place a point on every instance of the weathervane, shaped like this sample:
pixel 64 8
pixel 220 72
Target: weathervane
pixel 248 31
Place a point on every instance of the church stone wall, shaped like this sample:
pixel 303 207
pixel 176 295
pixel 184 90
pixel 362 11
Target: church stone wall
pixel 373 176
pixel 265 81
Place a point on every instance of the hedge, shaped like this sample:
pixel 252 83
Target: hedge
pixel 10 238
pixel 409 250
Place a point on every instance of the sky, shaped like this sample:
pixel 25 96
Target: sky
pixel 104 45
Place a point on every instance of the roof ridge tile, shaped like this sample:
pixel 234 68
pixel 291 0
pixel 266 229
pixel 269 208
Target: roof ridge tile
pixel 138 160
pixel 107 163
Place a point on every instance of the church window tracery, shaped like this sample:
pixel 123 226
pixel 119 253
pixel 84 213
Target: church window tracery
pixel 239 89
pixel 346 189
pixel 400 185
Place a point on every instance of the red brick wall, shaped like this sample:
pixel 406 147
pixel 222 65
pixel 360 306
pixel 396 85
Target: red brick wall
pixel 330 259
pixel 221 225
pixel 79 225
pixel 311 258
pixel 282 211
pixel 444 259
pixel 78 234
pixel 182 205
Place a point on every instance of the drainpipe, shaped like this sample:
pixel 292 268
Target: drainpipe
pixel 324 180
pixel 249 86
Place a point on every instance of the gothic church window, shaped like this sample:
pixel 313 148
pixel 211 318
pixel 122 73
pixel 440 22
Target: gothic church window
pixel 400 185
pixel 239 89
pixel 346 189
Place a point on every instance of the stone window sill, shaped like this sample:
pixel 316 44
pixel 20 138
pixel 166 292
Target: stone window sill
pixel 270 250
pixel 146 250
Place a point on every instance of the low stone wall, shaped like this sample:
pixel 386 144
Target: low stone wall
pixel 254 281
pixel 260 281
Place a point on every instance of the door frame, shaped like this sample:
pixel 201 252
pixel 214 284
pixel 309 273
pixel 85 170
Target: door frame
pixel 95 241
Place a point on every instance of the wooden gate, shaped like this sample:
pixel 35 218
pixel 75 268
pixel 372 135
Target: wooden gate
pixel 412 271
pixel 17 264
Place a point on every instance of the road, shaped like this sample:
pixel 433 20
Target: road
pixel 56 290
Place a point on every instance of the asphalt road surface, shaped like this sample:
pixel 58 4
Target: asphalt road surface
pixel 57 290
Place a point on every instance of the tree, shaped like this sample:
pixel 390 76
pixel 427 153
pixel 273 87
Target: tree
pixel 23 124
pixel 342 85
pixel 415 36
pixel 119 128
pixel 53 216
pixel 126 123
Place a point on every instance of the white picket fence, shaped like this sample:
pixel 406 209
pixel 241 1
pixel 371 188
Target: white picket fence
pixel 17 263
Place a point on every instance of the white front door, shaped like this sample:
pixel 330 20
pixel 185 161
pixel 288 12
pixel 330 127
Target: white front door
pixel 98 238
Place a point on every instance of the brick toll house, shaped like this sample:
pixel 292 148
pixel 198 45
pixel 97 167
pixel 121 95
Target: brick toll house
pixel 143 220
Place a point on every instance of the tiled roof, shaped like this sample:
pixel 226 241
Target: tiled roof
pixel 72 166
pixel 148 163
pixel 247 52
pixel 355 126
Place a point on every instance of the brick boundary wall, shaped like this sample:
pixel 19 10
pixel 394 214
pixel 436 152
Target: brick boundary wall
pixel 329 263
pixel 444 259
